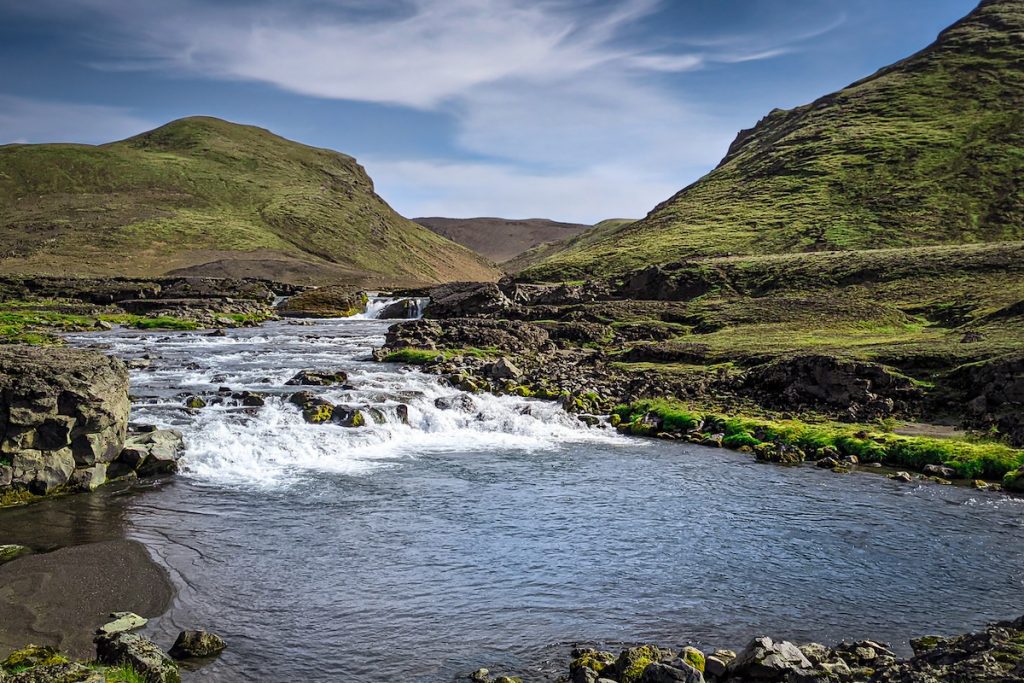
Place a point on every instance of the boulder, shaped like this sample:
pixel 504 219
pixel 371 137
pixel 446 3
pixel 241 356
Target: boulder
pixel 59 409
pixel 163 449
pixel 940 471
pixel 766 660
pixel 631 663
pixel 140 653
pixel 320 378
pixel 460 402
pixel 192 644
pixel 461 299
pixel 89 478
pixel 676 671
pixel 903 477
pixel 504 369
pixel 1014 481
pixel 717 662
pixel 403 309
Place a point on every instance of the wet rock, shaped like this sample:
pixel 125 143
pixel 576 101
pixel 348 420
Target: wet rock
pixel 10 552
pixel 459 402
pixel 588 664
pixel 140 653
pixel 217 333
pixel 348 417
pixel 194 644
pixel 712 440
pixel 122 621
pixel 154 453
pixel 318 411
pixel 827 463
pixel 940 471
pixel 504 369
pixel 1014 481
pixel 195 402
pixel 766 660
pixel 901 476
pixel 480 676
pixel 403 309
pixel 461 299
pixel 67 672
pixel 42 472
pixel 320 378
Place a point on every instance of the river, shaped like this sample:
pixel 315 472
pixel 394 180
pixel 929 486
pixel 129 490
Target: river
pixel 500 536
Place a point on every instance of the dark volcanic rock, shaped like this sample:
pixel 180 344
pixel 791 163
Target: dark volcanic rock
pixel 59 409
pixel 197 644
pixel 992 394
pixel 140 653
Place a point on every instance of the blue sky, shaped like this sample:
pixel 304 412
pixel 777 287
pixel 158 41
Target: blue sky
pixel 573 110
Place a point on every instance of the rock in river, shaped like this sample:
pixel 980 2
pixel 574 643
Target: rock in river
pixel 197 644
pixel 140 653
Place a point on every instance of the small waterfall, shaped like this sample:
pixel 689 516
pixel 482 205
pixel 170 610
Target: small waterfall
pixel 393 308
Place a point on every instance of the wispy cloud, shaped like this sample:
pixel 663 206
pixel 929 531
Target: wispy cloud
pixel 24 120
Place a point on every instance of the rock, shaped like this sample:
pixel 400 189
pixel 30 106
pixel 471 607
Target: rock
pixel 504 369
pixel 348 417
pixel 320 378
pixel 693 657
pixel 926 644
pixel 155 452
pixel 140 653
pixel 58 408
pixel 197 644
pixel 460 402
pixel 403 309
pixel 480 676
pixel 940 471
pixel 717 662
pixel 901 476
pixel 217 333
pixel 827 463
pixel 42 472
pixel 10 552
pixel 631 663
pixel 318 411
pixel 102 325
pixel 588 664
pixel 64 672
pixel 122 621
pixel 1014 481
pixel 766 660
pixel 462 299
pixel 89 478
pixel 195 402
pixel 676 671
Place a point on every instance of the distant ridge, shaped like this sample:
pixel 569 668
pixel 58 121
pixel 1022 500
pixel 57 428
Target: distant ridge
pixel 501 239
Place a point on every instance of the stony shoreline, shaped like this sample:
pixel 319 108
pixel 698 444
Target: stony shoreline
pixel 993 655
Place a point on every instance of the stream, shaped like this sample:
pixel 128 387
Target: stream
pixel 501 534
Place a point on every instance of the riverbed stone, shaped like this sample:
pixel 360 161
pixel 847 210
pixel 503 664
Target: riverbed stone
pixel 716 663
pixel 318 378
pixel 162 447
pixel 632 662
pixel 139 652
pixel 196 644
pixel 122 621
pixel 89 478
pixel 767 660
pixel 12 551
pixel 460 402
pixel 676 671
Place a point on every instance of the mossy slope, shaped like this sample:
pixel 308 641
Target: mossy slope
pixel 927 151
pixel 201 191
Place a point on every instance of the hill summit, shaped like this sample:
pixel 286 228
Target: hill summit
pixel 928 151
pixel 202 196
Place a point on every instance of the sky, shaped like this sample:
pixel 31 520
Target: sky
pixel 571 110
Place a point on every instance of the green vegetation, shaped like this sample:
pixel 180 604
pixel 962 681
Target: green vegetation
pixel 970 459
pixel 204 191
pixel 928 151
pixel 424 356
pixel 39 322
pixel 33 657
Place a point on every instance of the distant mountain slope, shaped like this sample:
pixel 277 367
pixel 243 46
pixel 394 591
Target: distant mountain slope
pixel 501 239
pixel 542 252
pixel 927 151
pixel 205 196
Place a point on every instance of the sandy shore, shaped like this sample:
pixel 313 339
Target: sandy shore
pixel 60 598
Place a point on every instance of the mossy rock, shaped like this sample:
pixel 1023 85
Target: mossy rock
pixel 32 656
pixel 631 663
pixel 318 414
pixel 1014 481
pixel 693 657
pixel 195 402
pixel 595 660
pixel 10 552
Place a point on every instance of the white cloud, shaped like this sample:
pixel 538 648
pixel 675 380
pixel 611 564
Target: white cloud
pixel 25 120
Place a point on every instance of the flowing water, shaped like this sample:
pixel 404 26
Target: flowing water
pixel 499 536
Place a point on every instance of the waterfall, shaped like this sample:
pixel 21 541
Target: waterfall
pixel 403 308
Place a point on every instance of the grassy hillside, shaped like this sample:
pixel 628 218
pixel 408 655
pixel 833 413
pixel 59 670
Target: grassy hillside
pixel 204 196
pixel 541 252
pixel 501 239
pixel 928 151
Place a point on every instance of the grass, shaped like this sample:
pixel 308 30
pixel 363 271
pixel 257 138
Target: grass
pixel 186 193
pixel 424 356
pixel 40 322
pixel 910 156
pixel 970 459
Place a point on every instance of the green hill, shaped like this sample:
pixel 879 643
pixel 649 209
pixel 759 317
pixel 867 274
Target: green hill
pixel 208 197
pixel 541 252
pixel 928 151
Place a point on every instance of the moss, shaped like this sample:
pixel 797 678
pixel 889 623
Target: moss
pixel 16 497
pixel 1014 481
pixel 412 356
pixel 318 414
pixel 32 656
pixel 632 662
pixel 358 420
pixel 693 657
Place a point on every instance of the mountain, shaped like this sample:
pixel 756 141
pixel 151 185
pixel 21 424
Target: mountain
pixel 202 196
pixel 928 151
pixel 542 252
pixel 501 239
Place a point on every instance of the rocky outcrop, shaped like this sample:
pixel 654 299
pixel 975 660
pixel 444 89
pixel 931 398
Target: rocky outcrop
pixel 991 394
pixel 501 335
pixel 64 421
pixel 60 410
pixel 324 302
pixel 861 390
